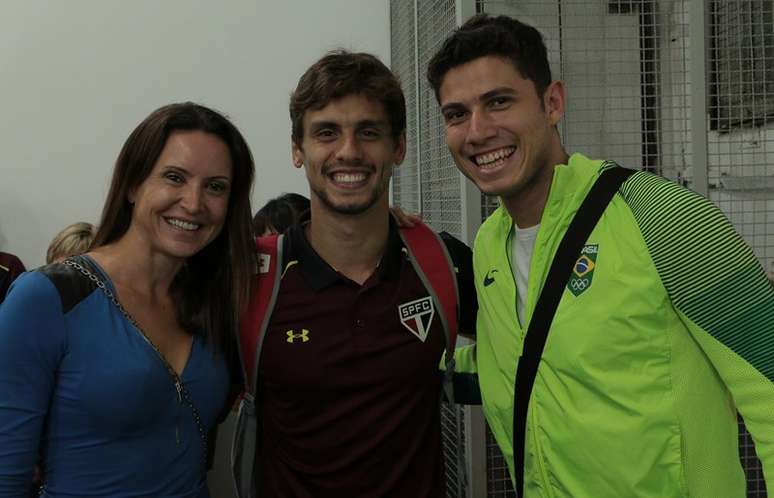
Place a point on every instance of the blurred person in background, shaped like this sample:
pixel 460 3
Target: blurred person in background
pixel 72 240
pixel 280 213
pixel 10 268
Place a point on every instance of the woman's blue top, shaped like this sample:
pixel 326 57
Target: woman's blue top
pixel 81 388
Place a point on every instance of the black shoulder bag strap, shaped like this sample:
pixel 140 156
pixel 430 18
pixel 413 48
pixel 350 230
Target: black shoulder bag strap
pixel 577 233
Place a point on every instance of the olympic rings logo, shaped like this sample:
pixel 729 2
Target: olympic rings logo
pixel 579 284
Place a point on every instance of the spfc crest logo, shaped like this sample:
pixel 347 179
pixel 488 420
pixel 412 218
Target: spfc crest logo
pixel 417 316
pixel 583 271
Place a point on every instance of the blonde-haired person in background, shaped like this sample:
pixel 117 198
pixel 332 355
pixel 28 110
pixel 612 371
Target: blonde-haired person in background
pixel 72 240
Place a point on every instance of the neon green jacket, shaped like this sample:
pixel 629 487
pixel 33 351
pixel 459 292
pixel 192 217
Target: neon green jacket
pixel 664 330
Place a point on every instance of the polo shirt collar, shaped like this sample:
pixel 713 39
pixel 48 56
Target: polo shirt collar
pixel 319 274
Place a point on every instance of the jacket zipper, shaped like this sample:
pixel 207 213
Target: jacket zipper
pixel 508 253
pixel 532 423
pixel 179 389
pixel 178 385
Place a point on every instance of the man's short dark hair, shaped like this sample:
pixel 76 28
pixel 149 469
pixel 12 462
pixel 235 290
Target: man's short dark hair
pixel 501 36
pixel 341 73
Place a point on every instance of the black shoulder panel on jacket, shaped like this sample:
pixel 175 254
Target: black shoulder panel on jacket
pixel 73 287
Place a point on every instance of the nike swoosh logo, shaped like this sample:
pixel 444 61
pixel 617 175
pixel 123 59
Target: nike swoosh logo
pixel 489 278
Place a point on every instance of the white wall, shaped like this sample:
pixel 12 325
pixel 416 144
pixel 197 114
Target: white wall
pixel 77 77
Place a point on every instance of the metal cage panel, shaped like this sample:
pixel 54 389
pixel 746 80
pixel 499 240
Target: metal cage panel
pixel 441 203
pixel 428 180
pixel 405 179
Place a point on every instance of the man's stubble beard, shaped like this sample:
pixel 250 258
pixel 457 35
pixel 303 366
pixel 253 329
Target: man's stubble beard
pixel 354 209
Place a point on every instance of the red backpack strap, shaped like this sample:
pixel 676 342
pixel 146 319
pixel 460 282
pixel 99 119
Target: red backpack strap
pixel 263 296
pixel 264 289
pixel 435 268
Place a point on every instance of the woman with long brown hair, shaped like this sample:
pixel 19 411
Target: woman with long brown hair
pixel 115 365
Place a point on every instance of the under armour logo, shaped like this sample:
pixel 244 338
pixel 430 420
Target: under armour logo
pixel 292 336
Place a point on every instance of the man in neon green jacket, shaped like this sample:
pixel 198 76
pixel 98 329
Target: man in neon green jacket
pixel 665 328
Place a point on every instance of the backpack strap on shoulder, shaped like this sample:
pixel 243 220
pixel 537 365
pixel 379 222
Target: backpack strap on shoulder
pixel 263 297
pixel 252 330
pixel 434 266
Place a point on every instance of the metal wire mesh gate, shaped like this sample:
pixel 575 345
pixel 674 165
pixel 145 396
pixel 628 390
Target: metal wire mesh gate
pixel 683 88
pixel 422 182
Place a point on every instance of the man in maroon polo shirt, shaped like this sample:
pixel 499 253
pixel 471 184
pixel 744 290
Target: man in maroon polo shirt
pixel 348 395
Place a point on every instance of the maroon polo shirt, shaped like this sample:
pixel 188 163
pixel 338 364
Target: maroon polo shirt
pixel 348 395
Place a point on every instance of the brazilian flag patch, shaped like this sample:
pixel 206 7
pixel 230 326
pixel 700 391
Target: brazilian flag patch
pixel 583 270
